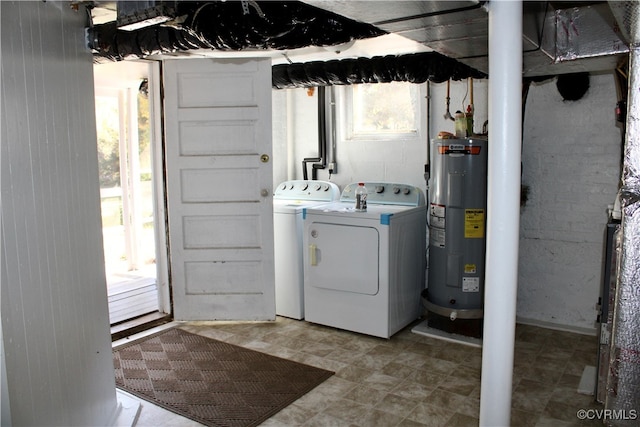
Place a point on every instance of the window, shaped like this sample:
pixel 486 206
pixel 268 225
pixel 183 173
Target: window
pixel 382 111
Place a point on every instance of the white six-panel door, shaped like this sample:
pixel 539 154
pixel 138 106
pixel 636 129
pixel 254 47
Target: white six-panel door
pixel 219 196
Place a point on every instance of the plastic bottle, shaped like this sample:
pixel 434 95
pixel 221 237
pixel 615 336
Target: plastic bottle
pixel 469 117
pixel 361 197
pixel 461 124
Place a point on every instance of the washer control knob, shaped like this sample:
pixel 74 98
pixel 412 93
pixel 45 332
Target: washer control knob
pixel 406 190
pixel 317 187
pixel 291 186
pixel 396 190
pixel 379 189
pixel 283 187
pixel 305 186
pixel 325 187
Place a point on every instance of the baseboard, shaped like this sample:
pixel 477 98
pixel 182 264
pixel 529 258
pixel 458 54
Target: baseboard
pixel 557 326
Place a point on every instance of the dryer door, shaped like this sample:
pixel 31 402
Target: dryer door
pixel 342 257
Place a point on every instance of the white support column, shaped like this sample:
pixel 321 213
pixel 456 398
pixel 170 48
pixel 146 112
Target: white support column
pixel 135 196
pixel 503 210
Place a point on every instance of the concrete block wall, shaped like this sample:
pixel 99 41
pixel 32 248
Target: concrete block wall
pixel 571 164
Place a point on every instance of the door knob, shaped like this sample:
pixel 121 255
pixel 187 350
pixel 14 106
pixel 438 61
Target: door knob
pixel 264 158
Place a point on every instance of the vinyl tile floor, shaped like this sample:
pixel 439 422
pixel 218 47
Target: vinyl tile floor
pixel 409 380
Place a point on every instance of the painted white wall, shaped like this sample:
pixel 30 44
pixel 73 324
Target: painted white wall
pixel 571 162
pixel 571 153
pixel 460 98
pixel 280 132
pixel 385 161
pixel 55 323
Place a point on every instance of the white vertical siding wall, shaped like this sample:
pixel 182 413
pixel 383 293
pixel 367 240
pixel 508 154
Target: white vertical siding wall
pixel 55 325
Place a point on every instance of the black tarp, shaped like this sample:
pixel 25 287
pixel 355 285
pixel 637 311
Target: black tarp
pixel 412 68
pixel 226 26
pixel 279 25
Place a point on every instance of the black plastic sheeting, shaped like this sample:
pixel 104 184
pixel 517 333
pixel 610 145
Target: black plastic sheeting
pixel 412 68
pixel 279 25
pixel 224 25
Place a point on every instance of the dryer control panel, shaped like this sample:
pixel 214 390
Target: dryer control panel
pixel 307 190
pixel 385 193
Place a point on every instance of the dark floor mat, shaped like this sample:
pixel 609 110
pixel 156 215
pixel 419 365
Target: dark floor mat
pixel 209 381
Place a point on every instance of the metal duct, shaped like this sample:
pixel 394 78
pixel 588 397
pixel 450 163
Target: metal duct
pixel 626 14
pixel 623 387
pixel 565 40
pixel 413 68
pixel 556 39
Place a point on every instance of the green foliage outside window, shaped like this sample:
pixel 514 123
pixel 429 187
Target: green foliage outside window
pixel 108 127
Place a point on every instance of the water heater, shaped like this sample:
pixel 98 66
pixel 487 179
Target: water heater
pixel 457 218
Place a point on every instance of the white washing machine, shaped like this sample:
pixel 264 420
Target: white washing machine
pixel 364 271
pixel 289 199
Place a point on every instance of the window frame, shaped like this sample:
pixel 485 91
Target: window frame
pixel 345 101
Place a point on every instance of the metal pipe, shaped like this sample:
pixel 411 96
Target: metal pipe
pixel 332 133
pixel 447 114
pixel 322 127
pixel 427 165
pixel 503 211
pixel 321 159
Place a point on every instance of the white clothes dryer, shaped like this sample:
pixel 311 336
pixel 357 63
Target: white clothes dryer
pixel 364 271
pixel 289 198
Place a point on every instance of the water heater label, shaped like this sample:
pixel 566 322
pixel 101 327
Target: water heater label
pixel 437 216
pixel 470 284
pixel 438 222
pixel 438 210
pixel 473 223
pixel 437 237
pixel 455 150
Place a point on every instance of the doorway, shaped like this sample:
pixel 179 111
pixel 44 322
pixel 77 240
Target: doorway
pixel 131 186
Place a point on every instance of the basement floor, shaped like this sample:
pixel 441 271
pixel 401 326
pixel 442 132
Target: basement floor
pixel 409 380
